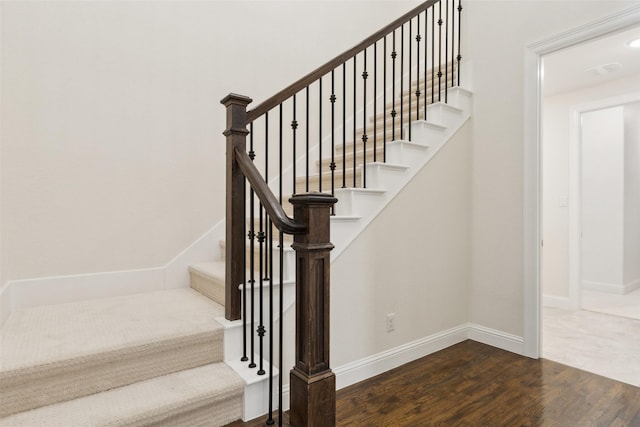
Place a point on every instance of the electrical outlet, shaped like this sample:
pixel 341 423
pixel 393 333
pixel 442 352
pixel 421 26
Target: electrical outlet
pixel 391 322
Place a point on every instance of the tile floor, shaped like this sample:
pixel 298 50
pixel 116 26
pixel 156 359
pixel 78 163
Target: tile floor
pixel 601 343
pixel 618 305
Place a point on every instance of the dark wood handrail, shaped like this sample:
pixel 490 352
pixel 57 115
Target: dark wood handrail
pixel 305 81
pixel 266 196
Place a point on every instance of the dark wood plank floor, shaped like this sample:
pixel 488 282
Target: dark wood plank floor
pixel 472 384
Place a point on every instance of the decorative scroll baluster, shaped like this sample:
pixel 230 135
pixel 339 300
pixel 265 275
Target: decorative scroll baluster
pixel 252 238
pixel 365 76
pixel 261 269
pixel 453 44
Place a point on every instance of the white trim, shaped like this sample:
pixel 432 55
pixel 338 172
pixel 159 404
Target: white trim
pixel 531 170
pixel 376 364
pixel 611 288
pixel 495 338
pixel 553 301
pixel 20 294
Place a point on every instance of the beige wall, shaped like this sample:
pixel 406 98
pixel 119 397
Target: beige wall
pixel 412 260
pixel 497 34
pixel 112 153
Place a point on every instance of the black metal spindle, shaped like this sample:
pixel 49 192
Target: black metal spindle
pixel 426 61
pixel 393 89
pixel 446 51
pixel 307 141
pixel 354 121
pixel 320 134
pixel 375 101
pixel 453 44
pixel 261 329
pixel 270 420
pixel 459 57
pixel 280 327
pixel 418 38
pixel 268 237
pixel 410 80
pixel 433 53
pixel 401 81
pixel 365 76
pixel 252 237
pixel 244 357
pixel 384 100
pixel 294 127
pixel 344 124
pixel 332 166
pixel 440 50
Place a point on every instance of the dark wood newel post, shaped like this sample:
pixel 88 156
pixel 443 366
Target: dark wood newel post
pixel 236 133
pixel 312 383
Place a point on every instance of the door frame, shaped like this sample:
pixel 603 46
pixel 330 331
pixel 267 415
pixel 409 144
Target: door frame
pixel 532 155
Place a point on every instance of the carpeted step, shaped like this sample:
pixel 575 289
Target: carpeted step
pixel 61 352
pixel 209 395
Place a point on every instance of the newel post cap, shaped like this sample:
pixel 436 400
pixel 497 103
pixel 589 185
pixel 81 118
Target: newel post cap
pixel 234 98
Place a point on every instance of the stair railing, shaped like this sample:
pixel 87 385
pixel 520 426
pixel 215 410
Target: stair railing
pixel 372 94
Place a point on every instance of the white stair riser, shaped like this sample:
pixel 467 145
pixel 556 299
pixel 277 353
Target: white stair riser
pixel 444 114
pixel 403 153
pixel 383 175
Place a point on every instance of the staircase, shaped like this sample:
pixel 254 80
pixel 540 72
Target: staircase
pixel 139 360
pixel 170 358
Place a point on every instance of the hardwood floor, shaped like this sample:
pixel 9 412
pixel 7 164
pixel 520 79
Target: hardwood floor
pixel 472 384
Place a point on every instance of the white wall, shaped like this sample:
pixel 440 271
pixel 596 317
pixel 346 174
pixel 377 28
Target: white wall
pixel 112 153
pixel 632 196
pixel 496 36
pixel 602 197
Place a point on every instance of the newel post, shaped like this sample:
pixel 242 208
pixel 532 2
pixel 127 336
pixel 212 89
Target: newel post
pixel 313 384
pixel 236 133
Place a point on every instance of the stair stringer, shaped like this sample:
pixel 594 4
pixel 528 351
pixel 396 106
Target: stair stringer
pixel 386 179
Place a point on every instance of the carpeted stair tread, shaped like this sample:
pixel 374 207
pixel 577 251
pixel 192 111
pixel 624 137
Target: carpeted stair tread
pixel 209 395
pixel 60 352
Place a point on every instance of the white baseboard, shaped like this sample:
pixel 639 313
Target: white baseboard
pixel 20 294
pixel 495 338
pixel 376 364
pixel 563 303
pixel 611 288
pixel 632 285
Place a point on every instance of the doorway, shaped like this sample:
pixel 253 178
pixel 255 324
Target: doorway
pixel 582 138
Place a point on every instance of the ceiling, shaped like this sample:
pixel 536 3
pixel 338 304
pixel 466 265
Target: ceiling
pixel 566 70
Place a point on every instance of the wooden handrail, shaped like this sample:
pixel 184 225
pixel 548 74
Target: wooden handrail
pixel 305 81
pixel 266 196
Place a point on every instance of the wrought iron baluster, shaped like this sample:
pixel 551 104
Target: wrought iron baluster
pixel 393 89
pixel 344 124
pixel 261 328
pixel 459 57
pixel 410 80
pixel 433 53
pixel 332 165
pixel 440 50
pixel 401 81
pixel 294 127
pixel 418 38
pixel 307 141
pixel 384 100
pixel 375 101
pixel 426 61
pixel 320 134
pixel 252 237
pixel 354 121
pixel 270 244
pixel 365 76
pixel 446 51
